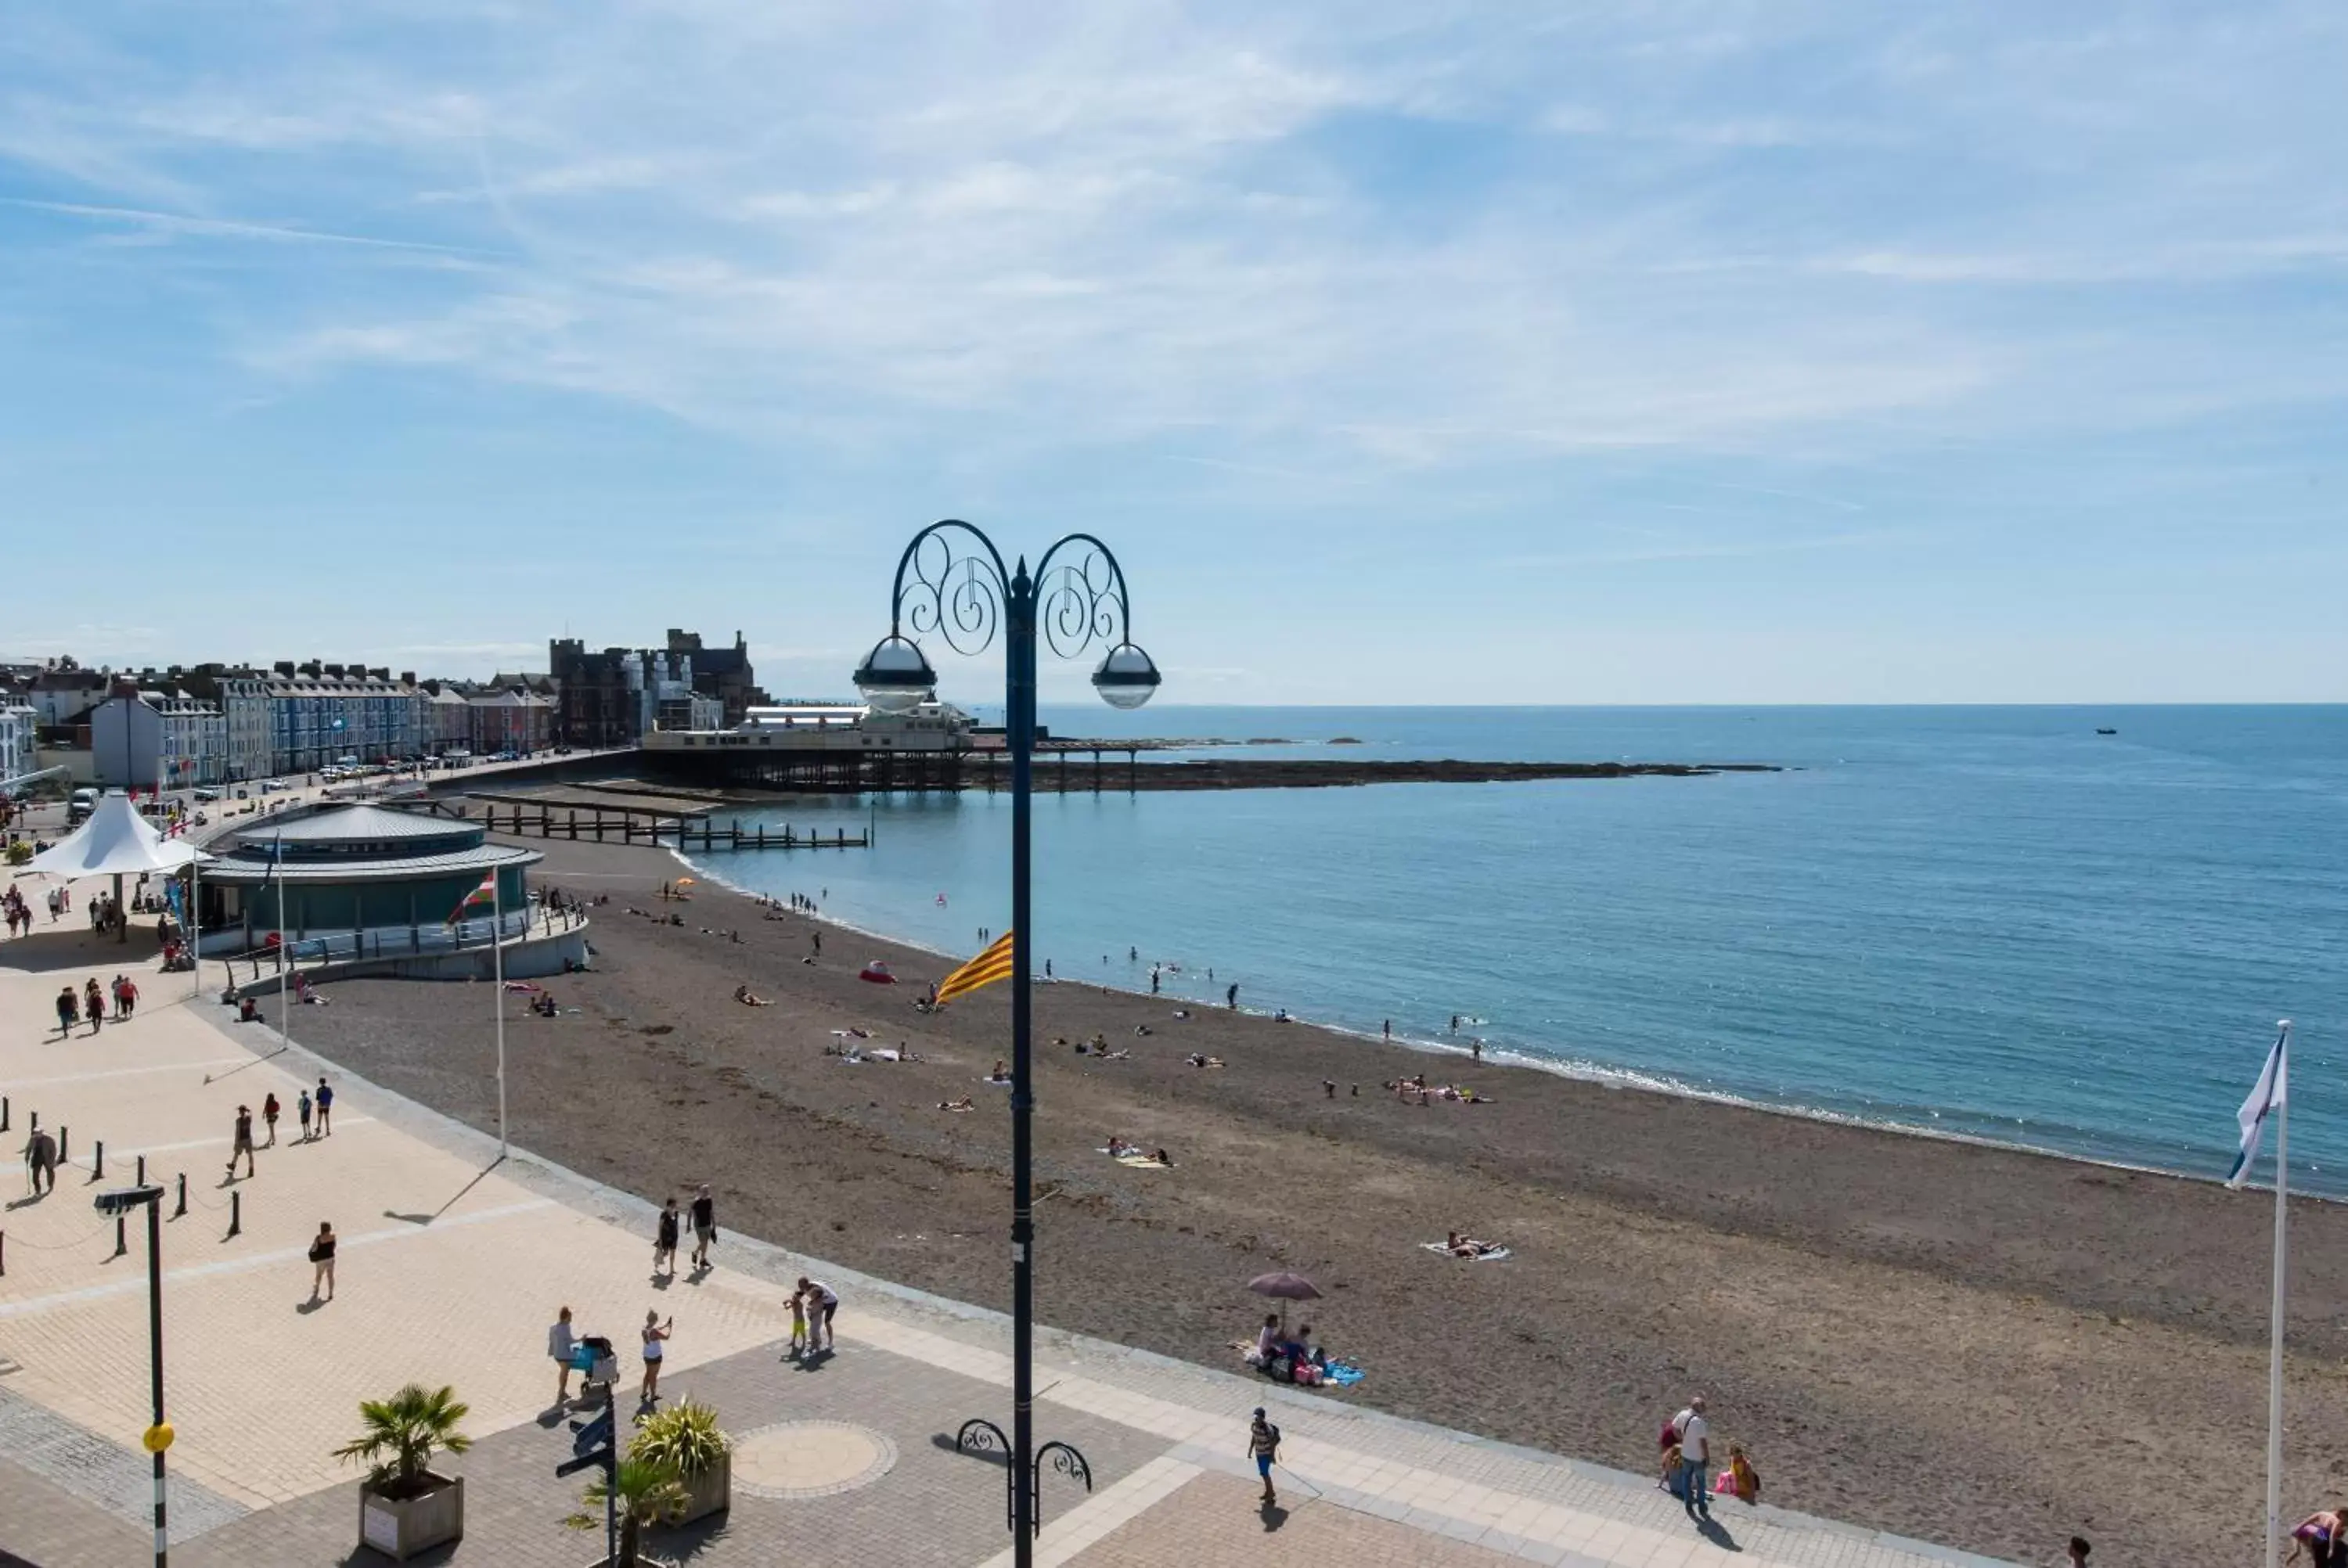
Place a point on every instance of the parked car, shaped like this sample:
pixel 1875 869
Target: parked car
pixel 270 786
pixel 207 795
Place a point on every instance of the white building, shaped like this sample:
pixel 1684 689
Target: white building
pixel 17 723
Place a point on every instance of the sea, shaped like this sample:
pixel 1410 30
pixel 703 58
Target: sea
pixel 1979 922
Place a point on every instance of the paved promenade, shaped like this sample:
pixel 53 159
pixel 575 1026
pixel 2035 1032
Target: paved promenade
pixel 451 1265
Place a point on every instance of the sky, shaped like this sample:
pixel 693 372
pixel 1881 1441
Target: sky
pixel 1704 352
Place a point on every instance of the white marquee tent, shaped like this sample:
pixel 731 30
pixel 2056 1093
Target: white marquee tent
pixel 114 841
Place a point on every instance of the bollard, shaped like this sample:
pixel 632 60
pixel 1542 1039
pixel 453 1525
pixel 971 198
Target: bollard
pixel 98 1165
pixel 181 1212
pixel 62 1130
pixel 142 1173
pixel 120 1244
pixel 3 1113
pixel 3 1254
pixel 235 1212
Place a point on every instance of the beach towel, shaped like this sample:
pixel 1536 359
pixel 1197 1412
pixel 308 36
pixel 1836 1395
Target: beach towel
pixel 1493 1255
pixel 1343 1374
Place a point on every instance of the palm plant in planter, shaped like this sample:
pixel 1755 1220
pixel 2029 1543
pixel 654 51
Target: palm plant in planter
pixel 644 1494
pixel 685 1441
pixel 404 1508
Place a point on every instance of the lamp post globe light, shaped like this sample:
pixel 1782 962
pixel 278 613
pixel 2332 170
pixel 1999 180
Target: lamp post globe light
pixel 952 584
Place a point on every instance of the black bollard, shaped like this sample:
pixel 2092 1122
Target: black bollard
pixel 235 1213
pixel 3 1254
pixel 3 1113
pixel 142 1173
pixel 120 1244
pixel 98 1165
pixel 63 1132
pixel 181 1212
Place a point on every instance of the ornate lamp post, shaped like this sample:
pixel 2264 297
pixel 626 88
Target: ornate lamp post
pixel 1075 599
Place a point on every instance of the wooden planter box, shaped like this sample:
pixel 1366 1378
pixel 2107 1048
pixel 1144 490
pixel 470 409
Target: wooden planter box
pixel 400 1528
pixel 712 1490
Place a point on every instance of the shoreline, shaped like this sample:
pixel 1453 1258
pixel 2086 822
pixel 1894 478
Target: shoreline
pixel 1614 1080
pixel 1857 1304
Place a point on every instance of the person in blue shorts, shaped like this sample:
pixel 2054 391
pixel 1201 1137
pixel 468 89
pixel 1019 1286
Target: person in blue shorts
pixel 1264 1444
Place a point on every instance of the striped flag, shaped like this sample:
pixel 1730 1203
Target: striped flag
pixel 993 965
pixel 487 893
pixel 2265 1099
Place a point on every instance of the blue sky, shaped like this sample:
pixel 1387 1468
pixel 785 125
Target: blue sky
pixel 1421 352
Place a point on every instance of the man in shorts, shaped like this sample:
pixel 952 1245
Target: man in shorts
pixel 325 1110
pixel 704 1226
pixel 1263 1447
pixel 822 1302
pixel 243 1144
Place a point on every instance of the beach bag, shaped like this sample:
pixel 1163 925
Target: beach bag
pixel 317 1251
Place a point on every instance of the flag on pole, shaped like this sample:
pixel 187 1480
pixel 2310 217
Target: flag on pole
pixel 2268 1096
pixel 486 893
pixel 993 965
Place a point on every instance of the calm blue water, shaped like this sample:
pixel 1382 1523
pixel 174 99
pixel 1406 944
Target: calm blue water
pixel 1983 921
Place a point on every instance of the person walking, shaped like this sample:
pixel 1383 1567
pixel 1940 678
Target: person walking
pixel 1263 1447
pixel 1231 997
pixel 560 1343
pixel 325 1110
pixel 243 1144
pixel 704 1226
pixel 269 1113
pixel 93 1003
pixel 302 1106
pixel 126 997
pixel 41 1162
pixel 657 1335
pixel 822 1302
pixel 68 1011
pixel 664 1236
pixel 1695 1459
pixel 322 1260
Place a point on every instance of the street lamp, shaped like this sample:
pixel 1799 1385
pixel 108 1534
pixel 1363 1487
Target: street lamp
pixel 158 1437
pixel 964 595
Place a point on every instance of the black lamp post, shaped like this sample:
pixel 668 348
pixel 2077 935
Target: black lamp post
pixel 158 1436
pixel 964 596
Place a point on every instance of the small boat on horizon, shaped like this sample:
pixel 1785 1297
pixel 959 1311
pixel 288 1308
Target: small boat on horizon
pixel 2104 732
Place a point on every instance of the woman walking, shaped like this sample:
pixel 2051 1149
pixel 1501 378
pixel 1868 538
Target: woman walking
pixel 655 1335
pixel 322 1261
pixel 664 1237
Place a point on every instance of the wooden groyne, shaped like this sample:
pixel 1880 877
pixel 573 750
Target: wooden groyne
pixel 622 824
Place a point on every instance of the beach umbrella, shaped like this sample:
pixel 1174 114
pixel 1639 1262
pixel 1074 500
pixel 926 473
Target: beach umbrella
pixel 877 972
pixel 684 882
pixel 1284 1287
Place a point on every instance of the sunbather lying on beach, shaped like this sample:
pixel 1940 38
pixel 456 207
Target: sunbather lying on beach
pixel 964 1103
pixel 1196 1060
pixel 1469 1246
pixel 742 994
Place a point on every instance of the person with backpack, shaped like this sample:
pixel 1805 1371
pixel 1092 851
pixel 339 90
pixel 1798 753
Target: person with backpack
pixel 1263 1447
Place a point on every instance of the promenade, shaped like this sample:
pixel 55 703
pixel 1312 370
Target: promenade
pixel 452 1263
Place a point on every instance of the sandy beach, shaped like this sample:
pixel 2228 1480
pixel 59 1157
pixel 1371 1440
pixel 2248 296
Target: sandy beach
pixel 1980 1347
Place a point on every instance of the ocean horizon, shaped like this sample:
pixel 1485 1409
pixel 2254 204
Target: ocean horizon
pixel 1985 922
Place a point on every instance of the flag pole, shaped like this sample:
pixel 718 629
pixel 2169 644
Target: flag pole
pixel 498 992
pixel 2274 1347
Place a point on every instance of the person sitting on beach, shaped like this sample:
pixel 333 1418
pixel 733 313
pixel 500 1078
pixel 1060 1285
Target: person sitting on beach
pixel 1002 1073
pixel 1740 1480
pixel 1117 1147
pixel 1100 1040
pixel 1267 1339
pixel 2320 1533
pixel 1282 1017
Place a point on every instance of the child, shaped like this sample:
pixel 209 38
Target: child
pixel 1670 1443
pixel 798 1324
pixel 303 1105
pixel 1740 1480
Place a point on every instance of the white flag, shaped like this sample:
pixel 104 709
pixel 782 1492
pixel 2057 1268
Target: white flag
pixel 2271 1090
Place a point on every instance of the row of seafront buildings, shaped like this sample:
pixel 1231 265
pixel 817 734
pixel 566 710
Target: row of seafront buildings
pixel 222 724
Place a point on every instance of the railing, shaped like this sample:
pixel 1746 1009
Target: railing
pixel 396 942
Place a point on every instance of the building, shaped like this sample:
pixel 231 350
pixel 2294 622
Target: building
pixel 319 712
pixel 60 693
pixel 447 722
pixel 722 674
pixel 140 738
pixel 364 884
pixel 512 720
pixel 19 720
pixel 613 698
pixel 242 694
